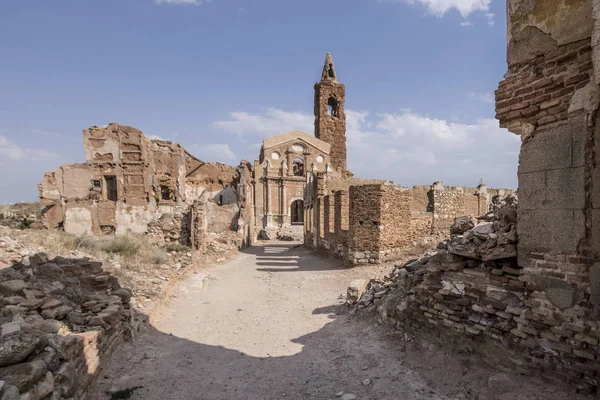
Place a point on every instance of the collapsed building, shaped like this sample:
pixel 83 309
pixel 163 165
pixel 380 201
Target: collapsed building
pixel 133 184
pixel 523 289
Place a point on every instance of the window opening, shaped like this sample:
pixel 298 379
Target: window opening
pixel 297 212
pixel 333 107
pixel 111 188
pixel 165 193
pixel 330 71
pixel 298 167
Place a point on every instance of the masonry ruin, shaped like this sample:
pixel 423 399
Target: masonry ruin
pixel 523 289
pixel 132 184
pixel 369 221
pixel 298 189
pixel 520 285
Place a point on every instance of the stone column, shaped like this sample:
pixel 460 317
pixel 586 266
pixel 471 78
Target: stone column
pixel 284 213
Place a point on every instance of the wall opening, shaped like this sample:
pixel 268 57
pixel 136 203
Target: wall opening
pixel 298 167
pixel 297 212
pixel 333 107
pixel 330 71
pixel 111 187
pixel 165 193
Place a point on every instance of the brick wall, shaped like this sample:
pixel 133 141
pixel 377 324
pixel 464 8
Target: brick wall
pixel 538 92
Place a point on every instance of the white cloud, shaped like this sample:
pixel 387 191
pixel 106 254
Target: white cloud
pixel 193 2
pixel 440 7
pixel 10 150
pixel 410 149
pixel 466 23
pixel 14 152
pixel 405 147
pixel 214 152
pixel 486 97
pixel 273 122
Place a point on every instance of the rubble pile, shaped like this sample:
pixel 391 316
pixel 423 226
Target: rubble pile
pixel 476 246
pixel 471 291
pixel 59 319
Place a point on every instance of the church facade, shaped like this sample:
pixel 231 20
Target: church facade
pixel 288 161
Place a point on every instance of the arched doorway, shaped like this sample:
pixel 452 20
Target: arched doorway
pixel 297 212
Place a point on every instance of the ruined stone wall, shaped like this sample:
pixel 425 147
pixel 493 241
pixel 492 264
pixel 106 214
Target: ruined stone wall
pixel 473 293
pixel 61 320
pixel 380 223
pixel 472 202
pixel 550 97
pixel 422 200
pixel 429 214
pixel 395 217
pixel 448 204
pixel 531 304
pixel 365 217
pixel 131 184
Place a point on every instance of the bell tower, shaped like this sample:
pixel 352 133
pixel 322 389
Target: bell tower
pixel 330 118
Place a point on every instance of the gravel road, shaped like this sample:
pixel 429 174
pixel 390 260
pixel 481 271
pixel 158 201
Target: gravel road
pixel 270 324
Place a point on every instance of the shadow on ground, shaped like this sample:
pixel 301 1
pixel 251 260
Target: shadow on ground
pixel 291 258
pixel 346 355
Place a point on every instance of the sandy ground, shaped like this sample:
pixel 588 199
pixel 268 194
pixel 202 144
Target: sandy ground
pixel 271 325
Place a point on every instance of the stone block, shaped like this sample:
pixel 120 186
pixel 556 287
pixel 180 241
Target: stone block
pixel 552 189
pixel 549 149
pixel 560 293
pixel 565 188
pixel 559 231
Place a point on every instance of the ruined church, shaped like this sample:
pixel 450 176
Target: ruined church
pixel 299 188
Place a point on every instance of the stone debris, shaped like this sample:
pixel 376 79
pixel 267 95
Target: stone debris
pixel 471 287
pixel 60 318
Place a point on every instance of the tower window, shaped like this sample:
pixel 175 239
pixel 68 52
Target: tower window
pixel 333 107
pixel 330 71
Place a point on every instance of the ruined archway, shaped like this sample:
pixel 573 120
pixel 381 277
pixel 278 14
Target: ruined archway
pixel 297 212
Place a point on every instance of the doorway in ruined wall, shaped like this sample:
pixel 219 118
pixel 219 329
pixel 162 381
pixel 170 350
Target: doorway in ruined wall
pixel 297 212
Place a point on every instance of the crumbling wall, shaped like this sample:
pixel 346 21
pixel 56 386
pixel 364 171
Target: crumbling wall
pixel 427 216
pixel 448 203
pixel 131 184
pixel 422 200
pixel 380 217
pixel 550 97
pixel 60 319
pixel 526 295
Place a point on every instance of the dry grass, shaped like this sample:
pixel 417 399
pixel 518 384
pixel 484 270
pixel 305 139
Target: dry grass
pixel 131 252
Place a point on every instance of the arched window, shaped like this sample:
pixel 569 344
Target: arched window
pixel 298 166
pixel 297 212
pixel 333 107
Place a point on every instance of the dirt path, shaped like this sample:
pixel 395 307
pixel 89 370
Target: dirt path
pixel 270 325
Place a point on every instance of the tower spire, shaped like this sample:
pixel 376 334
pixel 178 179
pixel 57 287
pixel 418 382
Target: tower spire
pixel 328 70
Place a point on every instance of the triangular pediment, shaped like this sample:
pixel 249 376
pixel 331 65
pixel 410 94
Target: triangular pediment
pixel 296 137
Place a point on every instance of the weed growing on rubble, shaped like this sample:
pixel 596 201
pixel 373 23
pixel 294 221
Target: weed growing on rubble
pixel 132 252
pixel 176 247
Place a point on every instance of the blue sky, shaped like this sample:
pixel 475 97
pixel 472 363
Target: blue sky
pixel 219 76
